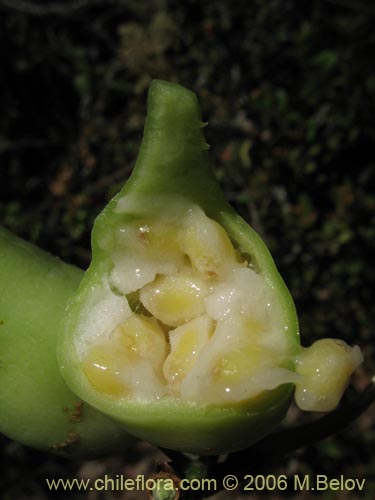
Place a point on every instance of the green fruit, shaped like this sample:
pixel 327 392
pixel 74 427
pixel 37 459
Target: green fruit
pixel 182 328
pixel 36 406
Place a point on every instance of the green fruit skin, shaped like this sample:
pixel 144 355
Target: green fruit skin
pixel 173 164
pixel 36 406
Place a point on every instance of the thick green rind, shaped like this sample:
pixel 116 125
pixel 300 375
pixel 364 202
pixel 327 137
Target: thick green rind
pixel 207 430
pixel 173 164
pixel 36 405
pixel 203 430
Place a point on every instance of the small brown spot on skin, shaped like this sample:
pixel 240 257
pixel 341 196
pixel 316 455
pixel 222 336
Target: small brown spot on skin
pixel 77 412
pixel 72 438
pixel 2 322
pixel 73 418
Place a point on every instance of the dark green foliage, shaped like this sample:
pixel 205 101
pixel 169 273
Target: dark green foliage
pixel 288 89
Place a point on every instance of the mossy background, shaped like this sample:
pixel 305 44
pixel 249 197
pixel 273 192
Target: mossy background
pixel 288 90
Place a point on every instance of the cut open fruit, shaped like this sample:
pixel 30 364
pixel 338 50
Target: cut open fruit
pixel 199 347
pixel 210 331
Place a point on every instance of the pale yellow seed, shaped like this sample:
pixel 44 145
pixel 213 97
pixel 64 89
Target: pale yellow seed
pixel 208 246
pixel 186 342
pixel 103 370
pixel 239 364
pixel 174 300
pixel 142 337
